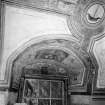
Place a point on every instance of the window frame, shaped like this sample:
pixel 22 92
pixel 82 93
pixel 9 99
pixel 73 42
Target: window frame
pixel 64 79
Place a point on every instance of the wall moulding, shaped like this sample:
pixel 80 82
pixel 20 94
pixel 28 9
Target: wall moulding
pixel 83 24
pixel 4 77
pixel 61 50
pixel 96 50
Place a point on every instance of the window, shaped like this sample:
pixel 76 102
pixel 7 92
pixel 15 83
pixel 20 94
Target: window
pixel 40 91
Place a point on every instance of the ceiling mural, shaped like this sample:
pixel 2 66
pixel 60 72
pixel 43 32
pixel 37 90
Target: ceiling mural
pixel 51 56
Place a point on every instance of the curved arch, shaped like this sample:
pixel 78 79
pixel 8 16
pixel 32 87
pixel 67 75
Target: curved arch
pixel 61 43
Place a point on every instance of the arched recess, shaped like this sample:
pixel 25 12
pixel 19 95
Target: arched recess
pixel 61 54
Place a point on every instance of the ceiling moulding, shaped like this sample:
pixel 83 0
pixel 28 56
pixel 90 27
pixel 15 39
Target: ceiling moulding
pixel 65 7
pixel 88 20
pixel 62 51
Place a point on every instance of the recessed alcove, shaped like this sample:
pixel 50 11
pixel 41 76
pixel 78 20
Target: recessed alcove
pixel 49 57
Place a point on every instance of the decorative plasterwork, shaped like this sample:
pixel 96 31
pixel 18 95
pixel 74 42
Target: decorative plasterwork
pixel 53 59
pixel 75 56
pixel 48 51
pixel 59 54
pixel 64 7
pixel 95 13
pixel 35 67
pixel 88 20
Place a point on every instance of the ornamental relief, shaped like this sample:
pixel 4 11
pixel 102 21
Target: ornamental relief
pixel 52 59
pixel 72 54
pixel 88 21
